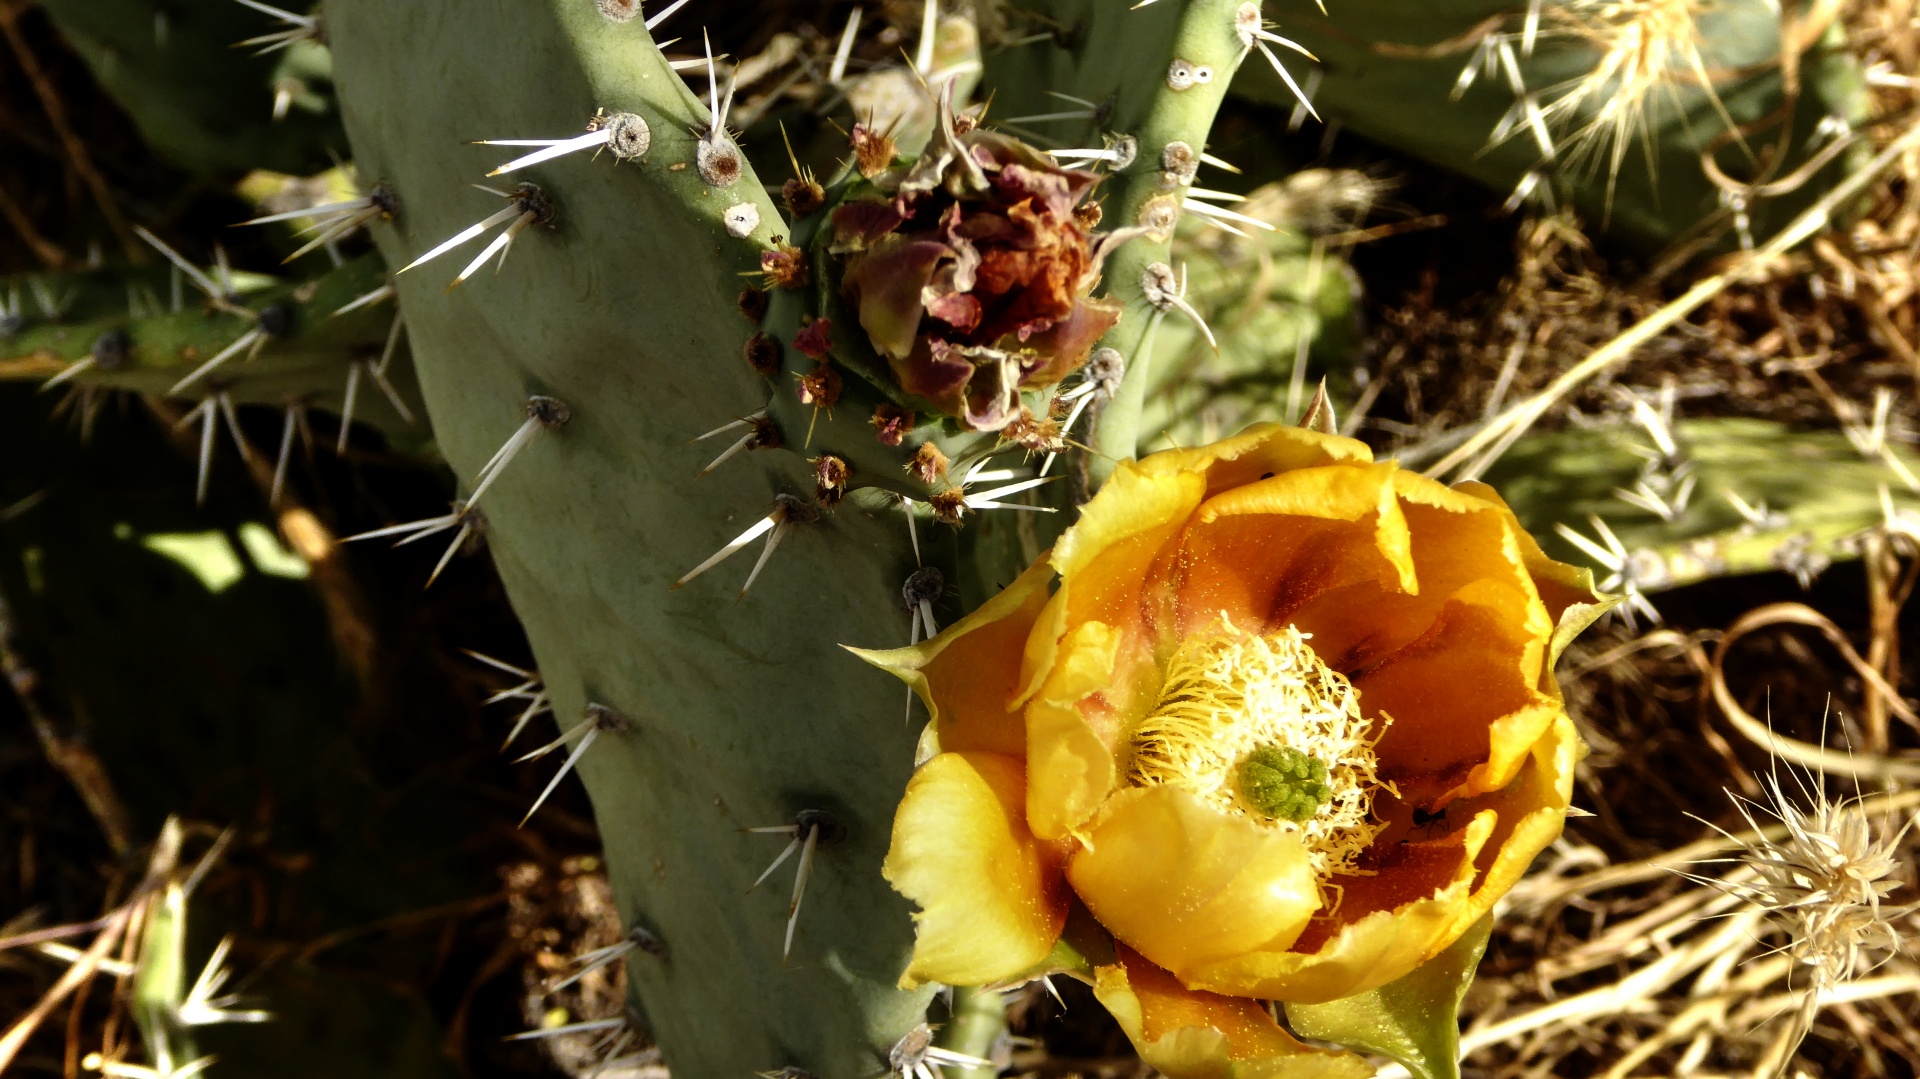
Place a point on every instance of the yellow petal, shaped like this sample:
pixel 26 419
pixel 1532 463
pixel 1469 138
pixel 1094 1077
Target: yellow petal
pixel 1560 585
pixel 1069 765
pixel 991 897
pixel 1260 450
pixel 1261 551
pixel 1135 500
pixel 1464 697
pixel 1185 884
pixel 1530 814
pixel 1186 1034
pixel 969 675
pixel 1426 893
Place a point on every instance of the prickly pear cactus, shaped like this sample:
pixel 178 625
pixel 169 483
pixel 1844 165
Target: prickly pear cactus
pixel 716 709
pixel 901 323
pixel 719 417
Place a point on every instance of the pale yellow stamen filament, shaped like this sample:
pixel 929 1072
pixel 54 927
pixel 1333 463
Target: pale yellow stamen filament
pixel 1229 694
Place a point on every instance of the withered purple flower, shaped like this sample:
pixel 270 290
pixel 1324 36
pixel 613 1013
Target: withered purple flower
pixel 970 270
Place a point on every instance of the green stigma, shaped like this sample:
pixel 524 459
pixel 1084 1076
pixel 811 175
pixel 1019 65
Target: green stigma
pixel 1284 784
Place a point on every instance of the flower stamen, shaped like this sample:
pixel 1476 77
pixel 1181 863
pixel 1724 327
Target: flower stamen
pixel 1261 727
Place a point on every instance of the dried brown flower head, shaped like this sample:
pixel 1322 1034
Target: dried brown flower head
pixel 949 505
pixel 803 195
pixel 971 269
pixel 928 465
pixel 815 339
pixel 873 151
pixel 830 475
pixel 762 354
pixel 785 267
pixel 820 387
pixel 1033 433
pixel 891 423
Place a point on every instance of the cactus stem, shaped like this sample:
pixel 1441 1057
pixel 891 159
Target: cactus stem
pixel 365 299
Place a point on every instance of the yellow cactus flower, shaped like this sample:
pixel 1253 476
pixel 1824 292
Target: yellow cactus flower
pixel 1281 719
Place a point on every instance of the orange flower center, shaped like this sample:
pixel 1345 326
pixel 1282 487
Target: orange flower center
pixel 1261 727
